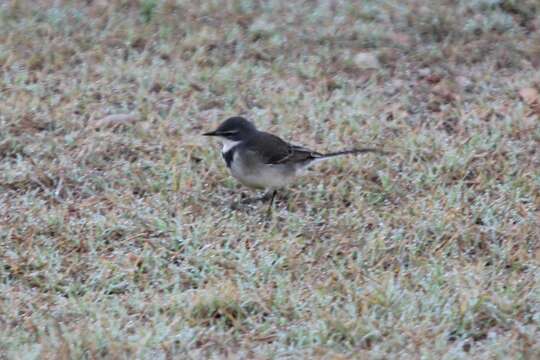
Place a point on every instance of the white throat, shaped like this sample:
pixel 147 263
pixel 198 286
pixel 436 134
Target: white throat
pixel 228 144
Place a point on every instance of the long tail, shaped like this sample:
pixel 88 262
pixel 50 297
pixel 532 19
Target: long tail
pixel 355 151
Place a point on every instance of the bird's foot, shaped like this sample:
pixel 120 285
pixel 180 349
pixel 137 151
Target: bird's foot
pixel 248 201
pixel 253 200
pixel 269 196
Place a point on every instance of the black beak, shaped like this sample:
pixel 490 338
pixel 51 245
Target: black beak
pixel 211 133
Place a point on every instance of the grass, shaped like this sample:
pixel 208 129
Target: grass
pixel 116 237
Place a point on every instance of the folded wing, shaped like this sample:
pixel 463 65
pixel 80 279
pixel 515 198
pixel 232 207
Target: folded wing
pixel 278 151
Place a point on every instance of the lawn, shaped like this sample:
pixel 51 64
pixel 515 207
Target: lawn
pixel 117 235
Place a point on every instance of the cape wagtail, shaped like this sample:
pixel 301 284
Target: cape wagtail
pixel 261 160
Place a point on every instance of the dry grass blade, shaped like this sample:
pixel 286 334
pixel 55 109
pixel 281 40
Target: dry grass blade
pixel 116 120
pixel 117 235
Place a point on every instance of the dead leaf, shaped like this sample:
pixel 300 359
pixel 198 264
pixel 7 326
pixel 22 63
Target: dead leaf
pixel 445 91
pixel 29 124
pixel 134 259
pixel 531 97
pixel 116 120
pixel 433 78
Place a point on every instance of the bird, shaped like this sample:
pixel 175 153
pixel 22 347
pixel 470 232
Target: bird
pixel 261 160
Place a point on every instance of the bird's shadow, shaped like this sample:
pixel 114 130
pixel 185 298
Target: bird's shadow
pixel 249 204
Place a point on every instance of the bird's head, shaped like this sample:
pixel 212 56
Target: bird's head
pixel 234 129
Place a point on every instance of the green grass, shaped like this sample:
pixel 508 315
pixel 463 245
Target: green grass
pixel 116 236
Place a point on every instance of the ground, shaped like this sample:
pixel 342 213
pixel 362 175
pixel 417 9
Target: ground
pixel 117 237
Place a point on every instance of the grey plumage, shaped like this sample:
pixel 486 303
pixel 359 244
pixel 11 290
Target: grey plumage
pixel 261 160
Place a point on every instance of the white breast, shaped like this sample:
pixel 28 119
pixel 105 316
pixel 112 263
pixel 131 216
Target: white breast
pixel 263 176
pixel 228 144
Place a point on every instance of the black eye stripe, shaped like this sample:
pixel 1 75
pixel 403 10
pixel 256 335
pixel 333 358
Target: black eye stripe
pixel 231 132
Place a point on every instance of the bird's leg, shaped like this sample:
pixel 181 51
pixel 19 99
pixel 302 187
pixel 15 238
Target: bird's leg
pixel 268 196
pixel 272 201
pixel 274 193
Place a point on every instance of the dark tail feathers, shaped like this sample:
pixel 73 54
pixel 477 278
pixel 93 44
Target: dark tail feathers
pixel 356 151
